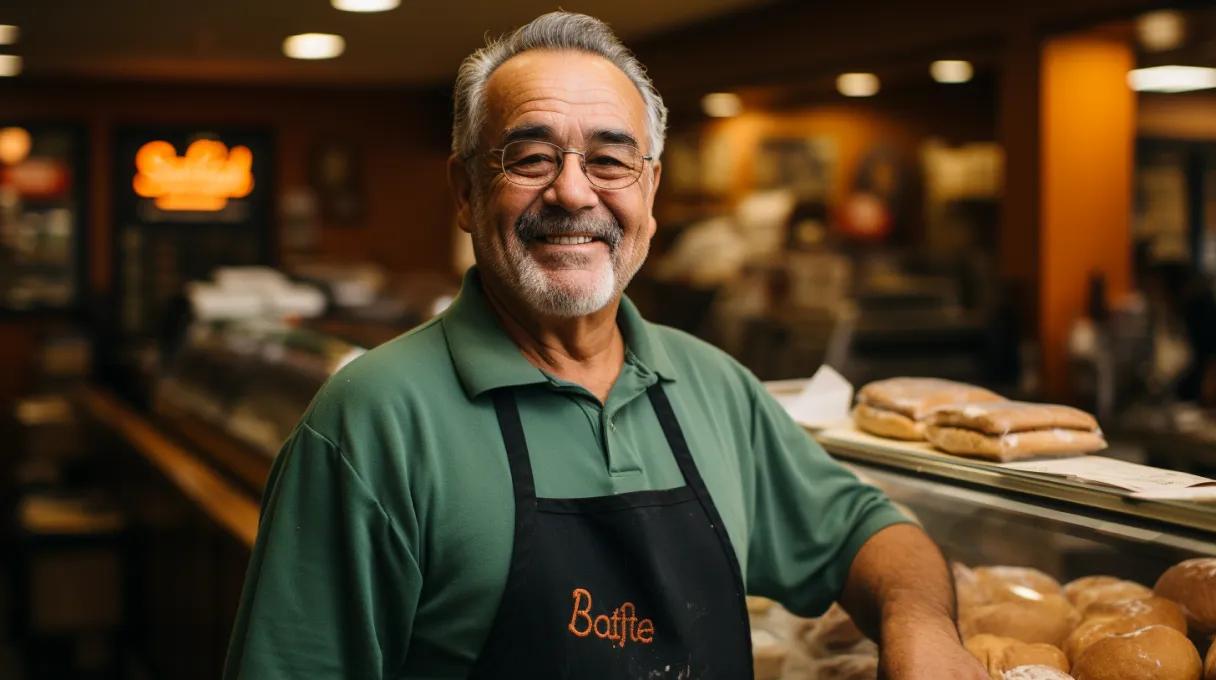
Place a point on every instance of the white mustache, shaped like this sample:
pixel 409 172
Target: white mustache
pixel 530 227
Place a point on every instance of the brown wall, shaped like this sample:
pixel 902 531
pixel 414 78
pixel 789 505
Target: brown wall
pixel 401 137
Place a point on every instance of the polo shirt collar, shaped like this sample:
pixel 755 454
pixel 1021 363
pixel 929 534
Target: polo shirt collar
pixel 486 358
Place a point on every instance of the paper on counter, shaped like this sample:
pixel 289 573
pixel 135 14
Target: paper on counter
pixel 823 402
pixel 1200 494
pixel 1113 472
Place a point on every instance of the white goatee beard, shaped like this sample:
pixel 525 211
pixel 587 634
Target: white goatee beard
pixel 533 285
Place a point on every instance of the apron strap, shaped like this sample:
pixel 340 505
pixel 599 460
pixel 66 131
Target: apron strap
pixel 692 477
pixel 517 446
pixel 675 437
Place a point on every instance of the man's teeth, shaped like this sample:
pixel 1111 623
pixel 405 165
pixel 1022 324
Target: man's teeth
pixel 568 240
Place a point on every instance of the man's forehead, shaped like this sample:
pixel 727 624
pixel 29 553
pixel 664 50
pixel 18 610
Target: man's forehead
pixel 546 86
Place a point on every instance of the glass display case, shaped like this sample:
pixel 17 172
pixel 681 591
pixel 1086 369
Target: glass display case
pixel 236 390
pixel 42 209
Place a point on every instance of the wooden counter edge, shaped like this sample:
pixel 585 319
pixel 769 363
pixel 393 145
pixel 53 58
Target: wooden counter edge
pixel 220 500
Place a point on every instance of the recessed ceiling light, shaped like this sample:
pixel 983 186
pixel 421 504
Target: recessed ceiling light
pixel 951 71
pixel 1172 78
pixel 857 84
pixel 365 5
pixel 1161 30
pixel 9 34
pixel 314 46
pixel 10 65
pixel 721 104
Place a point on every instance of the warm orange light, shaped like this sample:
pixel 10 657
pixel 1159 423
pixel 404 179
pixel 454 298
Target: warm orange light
pixel 203 179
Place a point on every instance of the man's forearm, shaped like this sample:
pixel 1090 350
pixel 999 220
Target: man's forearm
pixel 899 582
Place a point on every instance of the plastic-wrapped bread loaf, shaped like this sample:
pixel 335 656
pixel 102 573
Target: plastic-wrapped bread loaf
pixel 1012 430
pixel 896 408
pixel 1014 416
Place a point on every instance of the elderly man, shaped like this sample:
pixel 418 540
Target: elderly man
pixel 541 484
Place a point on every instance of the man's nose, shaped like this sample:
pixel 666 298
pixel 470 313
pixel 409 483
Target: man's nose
pixel 571 189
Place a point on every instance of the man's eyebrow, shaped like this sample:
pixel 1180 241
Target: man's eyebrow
pixel 614 137
pixel 529 131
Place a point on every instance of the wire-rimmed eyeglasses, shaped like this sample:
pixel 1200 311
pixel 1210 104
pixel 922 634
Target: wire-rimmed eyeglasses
pixel 534 163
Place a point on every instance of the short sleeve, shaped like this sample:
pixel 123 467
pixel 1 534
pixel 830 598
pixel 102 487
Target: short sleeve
pixel 331 588
pixel 810 514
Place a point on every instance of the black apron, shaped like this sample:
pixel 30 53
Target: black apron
pixel 636 585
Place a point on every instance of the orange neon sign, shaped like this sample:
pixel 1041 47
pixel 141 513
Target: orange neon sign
pixel 203 179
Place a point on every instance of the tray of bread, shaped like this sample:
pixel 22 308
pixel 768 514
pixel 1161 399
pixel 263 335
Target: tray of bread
pixel 1022 624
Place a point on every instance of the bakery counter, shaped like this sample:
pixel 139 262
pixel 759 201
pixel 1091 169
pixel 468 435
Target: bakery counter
pixel 1066 566
pixel 1018 481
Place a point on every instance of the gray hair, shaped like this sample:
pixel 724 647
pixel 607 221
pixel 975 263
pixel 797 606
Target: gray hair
pixel 552 31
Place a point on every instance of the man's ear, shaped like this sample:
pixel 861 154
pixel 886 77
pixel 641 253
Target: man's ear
pixel 462 190
pixel 656 175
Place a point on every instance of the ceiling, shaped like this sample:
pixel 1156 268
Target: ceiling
pixel 420 43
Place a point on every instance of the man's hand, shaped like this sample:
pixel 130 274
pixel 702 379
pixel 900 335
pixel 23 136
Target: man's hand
pixel 912 650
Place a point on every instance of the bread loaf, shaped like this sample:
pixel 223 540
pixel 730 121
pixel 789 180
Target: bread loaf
pixel 1048 620
pixel 1192 584
pixel 1007 417
pixel 1000 654
pixel 1153 653
pixel 1015 445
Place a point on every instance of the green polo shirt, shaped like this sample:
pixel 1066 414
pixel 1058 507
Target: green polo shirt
pixel 388 519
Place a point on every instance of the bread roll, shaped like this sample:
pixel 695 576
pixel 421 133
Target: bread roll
pixel 1209 663
pixel 848 667
pixel 1119 591
pixel 1192 584
pixel 967 587
pixel 1074 588
pixel 1036 673
pixel 884 423
pixel 758 606
pixel 1002 584
pixel 1015 445
pixel 1000 654
pixel 1048 620
pixel 768 655
pixel 1153 653
pixel 1147 611
pixel 916 398
pixel 1103 619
